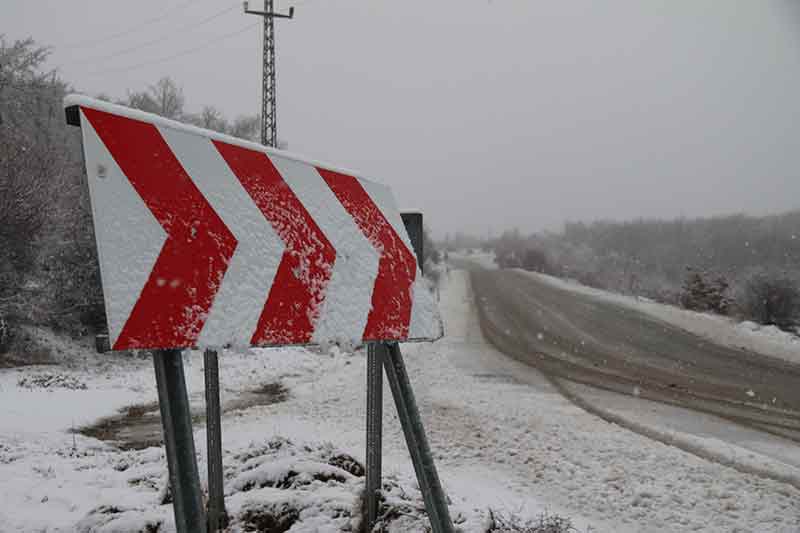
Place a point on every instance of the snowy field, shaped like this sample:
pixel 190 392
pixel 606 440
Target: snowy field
pixel 502 436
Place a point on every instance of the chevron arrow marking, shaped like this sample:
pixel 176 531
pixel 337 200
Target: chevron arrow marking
pixel 293 305
pixel 178 294
pixel 209 241
pixel 239 303
pixel 391 298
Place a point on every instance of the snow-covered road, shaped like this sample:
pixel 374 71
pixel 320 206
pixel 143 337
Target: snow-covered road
pixel 560 455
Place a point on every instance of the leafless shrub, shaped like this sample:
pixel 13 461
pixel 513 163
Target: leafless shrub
pixel 246 127
pixel 27 158
pixel 49 380
pixel 21 348
pixel 48 271
pixel 433 273
pixel 703 292
pixel 772 298
pixel 535 259
pixel 545 523
pixel 163 98
pixel 5 334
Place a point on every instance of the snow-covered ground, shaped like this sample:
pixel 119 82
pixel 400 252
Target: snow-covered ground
pixel 503 438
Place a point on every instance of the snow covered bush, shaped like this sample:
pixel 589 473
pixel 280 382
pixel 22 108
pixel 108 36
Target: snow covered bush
pixel 535 259
pixel 24 166
pixel 772 298
pixel 21 346
pixel 48 268
pixel 5 335
pixel 702 292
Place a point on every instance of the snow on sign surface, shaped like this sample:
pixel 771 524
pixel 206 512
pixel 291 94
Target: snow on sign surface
pixel 206 240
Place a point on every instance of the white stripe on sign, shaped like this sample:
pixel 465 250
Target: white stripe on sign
pixel 349 294
pixel 425 322
pixel 424 317
pixel 131 237
pixel 237 306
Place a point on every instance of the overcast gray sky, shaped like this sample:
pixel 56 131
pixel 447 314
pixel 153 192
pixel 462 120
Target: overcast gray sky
pixel 485 114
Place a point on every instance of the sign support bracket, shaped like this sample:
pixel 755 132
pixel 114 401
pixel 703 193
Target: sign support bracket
pixel 416 440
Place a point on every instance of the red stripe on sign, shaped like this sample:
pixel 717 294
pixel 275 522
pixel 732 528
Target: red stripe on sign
pixel 391 296
pixel 175 300
pixel 293 305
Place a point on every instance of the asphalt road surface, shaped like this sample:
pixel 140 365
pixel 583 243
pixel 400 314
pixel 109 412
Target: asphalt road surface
pixel 574 336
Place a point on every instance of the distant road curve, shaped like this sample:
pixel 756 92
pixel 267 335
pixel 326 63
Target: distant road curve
pixel 574 336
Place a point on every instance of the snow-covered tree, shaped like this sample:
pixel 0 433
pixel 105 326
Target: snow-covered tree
pixel 48 268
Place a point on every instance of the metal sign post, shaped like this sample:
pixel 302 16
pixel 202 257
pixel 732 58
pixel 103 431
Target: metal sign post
pixel 417 441
pixel 376 352
pixel 176 419
pixel 217 516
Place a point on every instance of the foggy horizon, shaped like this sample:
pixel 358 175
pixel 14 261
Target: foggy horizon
pixel 486 115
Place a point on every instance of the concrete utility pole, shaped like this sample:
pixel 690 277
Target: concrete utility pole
pixel 269 123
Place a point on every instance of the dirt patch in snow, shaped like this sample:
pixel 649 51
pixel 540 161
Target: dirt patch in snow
pixel 50 380
pixel 275 518
pixel 545 523
pixel 267 394
pixel 137 427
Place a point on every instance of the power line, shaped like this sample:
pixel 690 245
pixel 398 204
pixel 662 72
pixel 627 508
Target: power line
pixel 83 44
pixel 161 39
pixel 177 55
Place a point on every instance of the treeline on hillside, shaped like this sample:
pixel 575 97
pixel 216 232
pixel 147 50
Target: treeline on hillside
pixel 48 266
pixel 739 265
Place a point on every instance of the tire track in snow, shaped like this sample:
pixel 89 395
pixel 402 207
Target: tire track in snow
pixel 497 338
pixel 672 439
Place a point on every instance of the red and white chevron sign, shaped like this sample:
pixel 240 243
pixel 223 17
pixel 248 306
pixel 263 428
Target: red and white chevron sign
pixel 209 241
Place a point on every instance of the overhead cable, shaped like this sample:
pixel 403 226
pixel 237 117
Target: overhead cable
pixel 172 34
pixel 138 26
pixel 177 55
